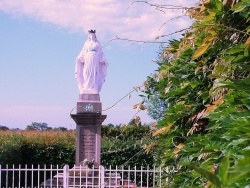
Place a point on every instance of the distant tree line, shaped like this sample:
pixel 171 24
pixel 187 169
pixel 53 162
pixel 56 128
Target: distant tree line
pixel 35 126
pixel 4 128
pixel 42 126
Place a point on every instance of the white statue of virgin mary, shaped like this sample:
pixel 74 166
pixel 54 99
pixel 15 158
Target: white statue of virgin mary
pixel 91 66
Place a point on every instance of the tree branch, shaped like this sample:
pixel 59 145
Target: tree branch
pixel 143 41
pixel 160 7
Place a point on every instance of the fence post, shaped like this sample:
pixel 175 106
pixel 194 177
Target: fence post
pixel 66 176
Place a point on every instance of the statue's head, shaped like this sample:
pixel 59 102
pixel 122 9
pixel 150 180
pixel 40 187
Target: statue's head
pixel 92 35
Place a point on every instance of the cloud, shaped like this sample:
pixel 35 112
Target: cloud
pixel 126 19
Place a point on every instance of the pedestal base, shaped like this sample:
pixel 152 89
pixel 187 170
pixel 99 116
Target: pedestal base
pixel 88 137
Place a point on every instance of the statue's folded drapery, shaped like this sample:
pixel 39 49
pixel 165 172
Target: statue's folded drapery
pixel 91 66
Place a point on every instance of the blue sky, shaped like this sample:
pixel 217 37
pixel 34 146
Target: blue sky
pixel 40 40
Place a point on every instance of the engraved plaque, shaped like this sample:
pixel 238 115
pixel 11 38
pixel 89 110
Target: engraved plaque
pixel 89 107
pixel 88 136
pixel 87 142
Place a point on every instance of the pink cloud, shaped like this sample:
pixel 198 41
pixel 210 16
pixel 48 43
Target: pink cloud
pixel 109 17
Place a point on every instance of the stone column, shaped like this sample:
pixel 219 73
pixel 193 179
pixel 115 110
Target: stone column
pixel 88 128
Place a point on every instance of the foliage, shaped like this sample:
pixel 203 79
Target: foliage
pixel 38 127
pixel 4 128
pixel 156 107
pixel 204 77
pixel 60 129
pixel 10 148
pixel 120 145
pixel 125 132
pixel 36 147
pixel 124 145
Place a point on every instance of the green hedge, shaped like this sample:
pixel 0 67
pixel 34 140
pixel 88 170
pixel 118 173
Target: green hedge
pixel 35 147
pixel 124 146
pixel 120 145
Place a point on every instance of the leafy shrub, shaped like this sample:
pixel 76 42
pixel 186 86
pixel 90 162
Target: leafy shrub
pixel 10 148
pixel 205 79
pixel 58 147
pixel 36 147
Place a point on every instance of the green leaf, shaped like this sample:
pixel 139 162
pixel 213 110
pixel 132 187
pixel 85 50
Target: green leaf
pixel 235 49
pixel 219 5
pixel 236 142
pixel 208 18
pixel 212 12
pixel 223 169
pixel 194 84
pixel 229 59
pixel 206 174
pixel 240 170
pixel 239 7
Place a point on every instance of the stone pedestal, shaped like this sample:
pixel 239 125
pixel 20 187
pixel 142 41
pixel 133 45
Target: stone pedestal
pixel 88 128
pixel 89 103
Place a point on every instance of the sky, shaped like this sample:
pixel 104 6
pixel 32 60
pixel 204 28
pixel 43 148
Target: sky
pixel 39 43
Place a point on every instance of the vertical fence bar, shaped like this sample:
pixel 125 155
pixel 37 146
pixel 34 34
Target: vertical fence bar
pixel 32 176
pixel 65 176
pixel 25 176
pixel 102 172
pixel 44 175
pixel 109 176
pixel 135 175
pixel 13 176
pixel 141 175
pixel 113 174
pixel 19 176
pixel 51 171
pixel 81 174
pixel 116 176
pixel 122 175
pixel 74 175
pixel 6 178
pixel 86 178
pixel 57 182
pixel 38 176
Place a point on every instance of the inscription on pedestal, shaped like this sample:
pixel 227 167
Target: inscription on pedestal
pixel 87 142
pixel 89 107
pixel 88 136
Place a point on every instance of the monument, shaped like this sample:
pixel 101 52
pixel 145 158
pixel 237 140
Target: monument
pixel 90 73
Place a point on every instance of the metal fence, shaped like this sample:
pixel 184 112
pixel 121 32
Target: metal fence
pixel 80 177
